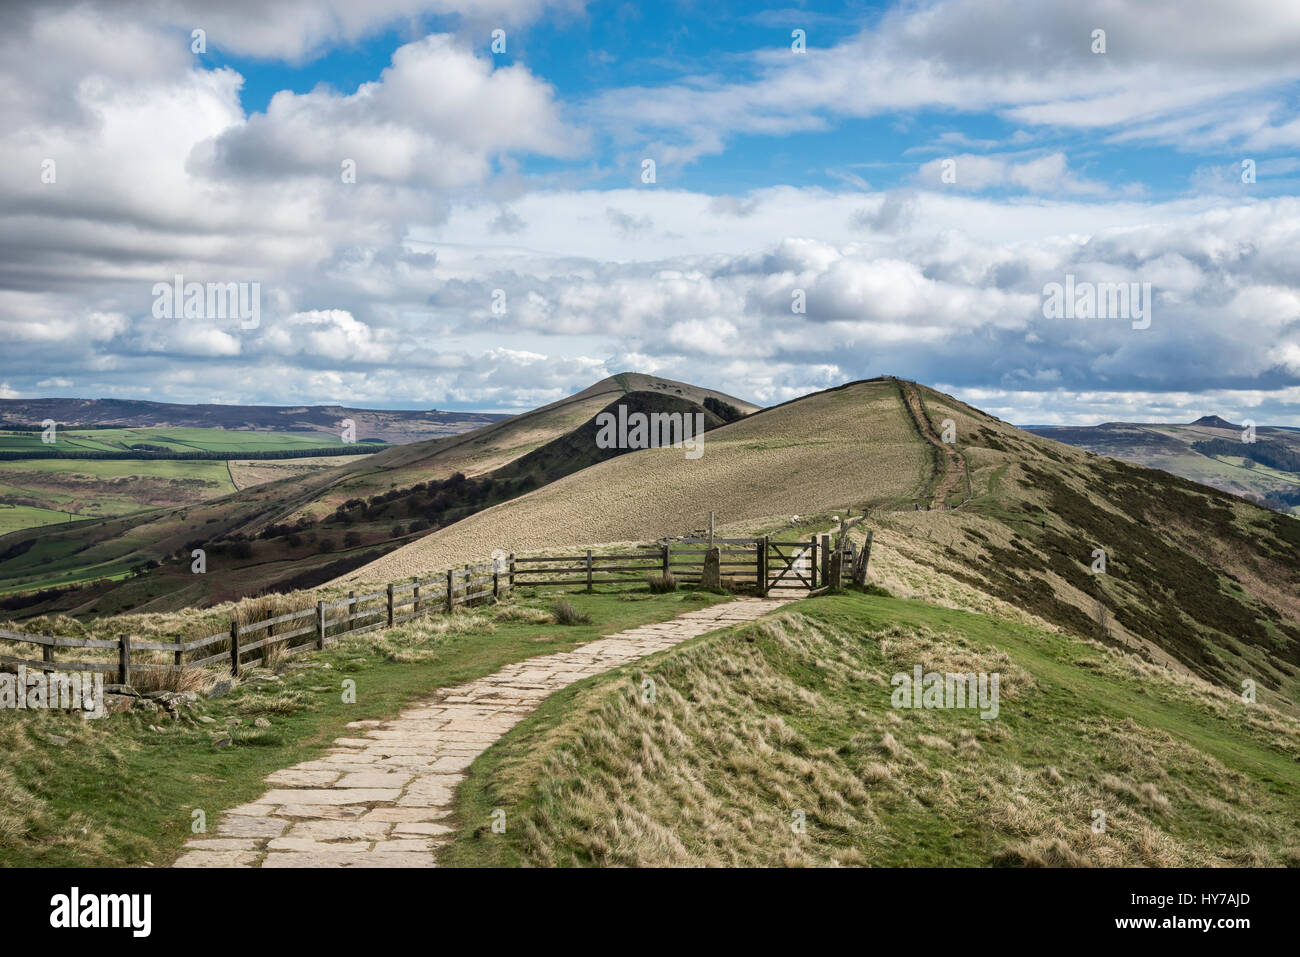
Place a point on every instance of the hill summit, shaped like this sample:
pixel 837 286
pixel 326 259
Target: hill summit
pixel 1214 422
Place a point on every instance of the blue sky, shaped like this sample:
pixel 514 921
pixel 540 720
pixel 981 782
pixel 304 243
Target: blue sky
pixel 498 247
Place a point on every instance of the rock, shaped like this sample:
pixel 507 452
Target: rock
pixel 231 721
pixel 122 690
pixel 222 743
pixel 711 577
pixel 155 729
pixel 56 739
pixel 261 723
pixel 143 704
pixel 206 720
pixel 269 678
pixel 222 688
pixel 117 703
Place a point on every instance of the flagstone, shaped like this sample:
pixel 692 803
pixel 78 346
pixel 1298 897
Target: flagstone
pixel 383 800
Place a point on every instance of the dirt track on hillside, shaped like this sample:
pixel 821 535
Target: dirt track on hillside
pixel 952 469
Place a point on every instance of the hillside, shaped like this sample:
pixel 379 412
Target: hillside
pixel 776 744
pixel 389 425
pixel 270 535
pixel 1209 450
pixel 1195 580
pixel 849 446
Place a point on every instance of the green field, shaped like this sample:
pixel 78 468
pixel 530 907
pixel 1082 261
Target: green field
pixel 98 488
pixel 14 517
pixel 178 440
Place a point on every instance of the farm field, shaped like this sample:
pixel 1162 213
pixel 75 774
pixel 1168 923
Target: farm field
pixel 93 488
pixel 170 439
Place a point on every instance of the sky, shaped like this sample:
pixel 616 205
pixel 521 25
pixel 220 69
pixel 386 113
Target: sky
pixel 493 204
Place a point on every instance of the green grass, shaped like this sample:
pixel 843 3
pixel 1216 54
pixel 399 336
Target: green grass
pixel 758 721
pixel 120 794
pixel 14 517
pixel 177 439
pixel 98 488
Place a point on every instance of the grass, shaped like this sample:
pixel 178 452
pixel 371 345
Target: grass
pixel 175 439
pixel 803 458
pixel 119 793
pixel 757 728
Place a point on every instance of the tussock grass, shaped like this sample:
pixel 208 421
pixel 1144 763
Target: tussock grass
pixel 660 584
pixel 565 614
pixel 786 720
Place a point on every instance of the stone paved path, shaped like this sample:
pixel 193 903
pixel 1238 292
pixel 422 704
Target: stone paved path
pixel 379 799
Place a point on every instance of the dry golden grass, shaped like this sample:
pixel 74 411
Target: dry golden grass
pixel 741 744
pixel 845 447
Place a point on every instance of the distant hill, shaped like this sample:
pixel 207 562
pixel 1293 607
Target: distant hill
pixel 390 425
pixel 1196 580
pixel 1209 450
pixel 288 533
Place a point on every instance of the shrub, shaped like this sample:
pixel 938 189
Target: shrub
pixel 660 584
pixel 566 614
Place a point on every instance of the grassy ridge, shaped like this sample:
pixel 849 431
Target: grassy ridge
pixel 752 725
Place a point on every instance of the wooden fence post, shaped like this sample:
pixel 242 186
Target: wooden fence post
pixel 47 652
pixel 320 624
pixel 234 648
pixel 512 571
pixel 812 552
pixel 352 610
pixel 451 593
pixel 390 606
pixel 496 583
pixel 826 559
pixel 415 610
pixel 124 659
pixel 763 545
pixel 589 569
pixel 179 657
pixel 667 556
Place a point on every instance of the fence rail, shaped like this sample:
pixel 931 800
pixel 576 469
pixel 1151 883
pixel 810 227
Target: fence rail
pixel 245 644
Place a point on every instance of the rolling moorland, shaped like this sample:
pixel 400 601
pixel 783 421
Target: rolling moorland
pixel 1121 691
pixel 1209 450
pixel 387 425
pixel 307 529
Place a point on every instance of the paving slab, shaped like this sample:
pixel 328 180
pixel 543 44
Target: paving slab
pixel 382 800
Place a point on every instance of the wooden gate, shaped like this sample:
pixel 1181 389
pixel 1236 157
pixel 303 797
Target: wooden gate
pixel 791 565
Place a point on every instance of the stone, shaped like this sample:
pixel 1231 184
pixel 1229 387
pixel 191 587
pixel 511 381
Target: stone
pixel 206 720
pixel 222 688
pixel 222 743
pixel 261 723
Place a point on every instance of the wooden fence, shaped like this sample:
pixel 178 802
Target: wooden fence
pixel 246 643
pixel 756 561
